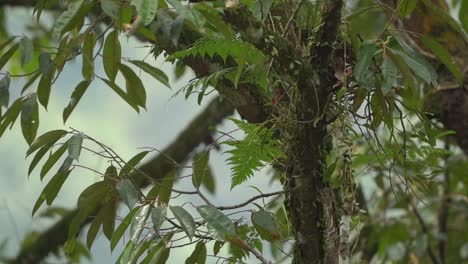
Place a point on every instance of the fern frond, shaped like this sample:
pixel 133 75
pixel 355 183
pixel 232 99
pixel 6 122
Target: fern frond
pixel 252 153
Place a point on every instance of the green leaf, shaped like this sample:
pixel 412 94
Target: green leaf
pixel 266 225
pixel 51 190
pixel 122 94
pixel 261 8
pixel 45 63
pixel 406 7
pixel 462 15
pixel 128 192
pixel 217 247
pixel 75 99
pixel 158 216
pixel 112 55
pixel 7 42
pixel 7 55
pixel 26 50
pixel 5 91
pixel 164 189
pixel 111 8
pixel 30 82
pixel 93 194
pixel 131 164
pixel 198 255
pixel 10 116
pixel 444 56
pixel 38 157
pixel 125 256
pixel 108 221
pixel 134 86
pixel 74 145
pixel 153 71
pixel 200 168
pixel 88 57
pixel 67 18
pixel 139 250
pixel 158 256
pixel 146 9
pixel 30 118
pixel 389 72
pixel 94 229
pixel 217 221
pixel 185 220
pixel 139 222
pixel 418 68
pixel 364 58
pixel 43 89
pixel 48 138
pixel 122 227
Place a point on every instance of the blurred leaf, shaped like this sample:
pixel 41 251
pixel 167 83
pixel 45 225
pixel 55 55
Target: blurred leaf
pixel 30 82
pixel 45 63
pixel 198 255
pixel 200 168
pixel 74 145
pixel 126 253
pixel 10 116
pixel 134 86
pixel 418 68
pixel 139 222
pixel 26 50
pixel 442 53
pixel 216 220
pixel 75 99
pixel 38 157
pixel 158 216
pixel 51 190
pixel 462 15
pixel 406 7
pixel 122 94
pixel 111 8
pixel 364 58
pixel 30 118
pixel 43 89
pixel 217 247
pixel 128 192
pixel 45 139
pixel 146 9
pixel 153 71
pixel 261 8
pixel 185 220
pixel 266 225
pixel 139 250
pixel 108 221
pixel 389 72
pixel 88 56
pixel 5 91
pixel 7 55
pixel 131 164
pixel 112 55
pixel 158 256
pixel 122 227
pixel 94 228
pixel 67 17
pixel 6 42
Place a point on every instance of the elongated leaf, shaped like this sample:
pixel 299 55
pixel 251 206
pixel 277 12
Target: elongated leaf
pixel 67 17
pixel 112 55
pixel 217 221
pixel 128 192
pixel 93 194
pixel 200 168
pixel 38 157
pixel 74 145
pixel 266 225
pixel 43 89
pixel 131 164
pixel 138 251
pixel 146 9
pixel 124 258
pixel 111 8
pixel 108 221
pixel 462 15
pixel 30 119
pixel 217 247
pixel 442 53
pixel 75 99
pixel 45 139
pixel 4 59
pixel 7 42
pixel 153 71
pixel 26 50
pixel 419 69
pixel 53 159
pixel 158 216
pixel 122 94
pixel 139 222
pixel 45 63
pixel 164 189
pixel 389 72
pixel 134 86
pixel 364 58
pixel 94 228
pixel 185 219
pixel 5 91
pixel 51 190
pixel 118 233
pixel 198 255
pixel 10 116
pixel 30 82
pixel 406 7
pixel 88 58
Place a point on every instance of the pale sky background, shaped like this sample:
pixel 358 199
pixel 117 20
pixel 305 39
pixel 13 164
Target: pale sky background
pixel 104 116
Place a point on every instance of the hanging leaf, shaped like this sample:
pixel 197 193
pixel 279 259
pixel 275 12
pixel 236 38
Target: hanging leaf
pixel 185 219
pixel 74 145
pixel 5 91
pixel 158 256
pixel 122 227
pixel 139 222
pixel 43 89
pixel 364 58
pixel 442 53
pixel 200 168
pixel 51 190
pixel 389 72
pixel 128 192
pixel 126 253
pixel 122 94
pixel 217 247
pixel 198 255
pixel 10 116
pixel 406 7
pixel 163 190
pixel 45 63
pixel 7 42
pixel 146 9
pixel 134 86
pixel 30 119
pixel 111 8
pixel 139 250
pixel 38 157
pixel 153 71
pixel 112 55
pixel 67 18
pixel 48 138
pixel 266 225
pixel 418 68
pixel 217 221
pixel 75 99
pixel 7 55
pixel 88 57
pixel 131 164
pixel 26 50
pixel 94 229
pixel 30 82
pixel 108 221
pixel 158 216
